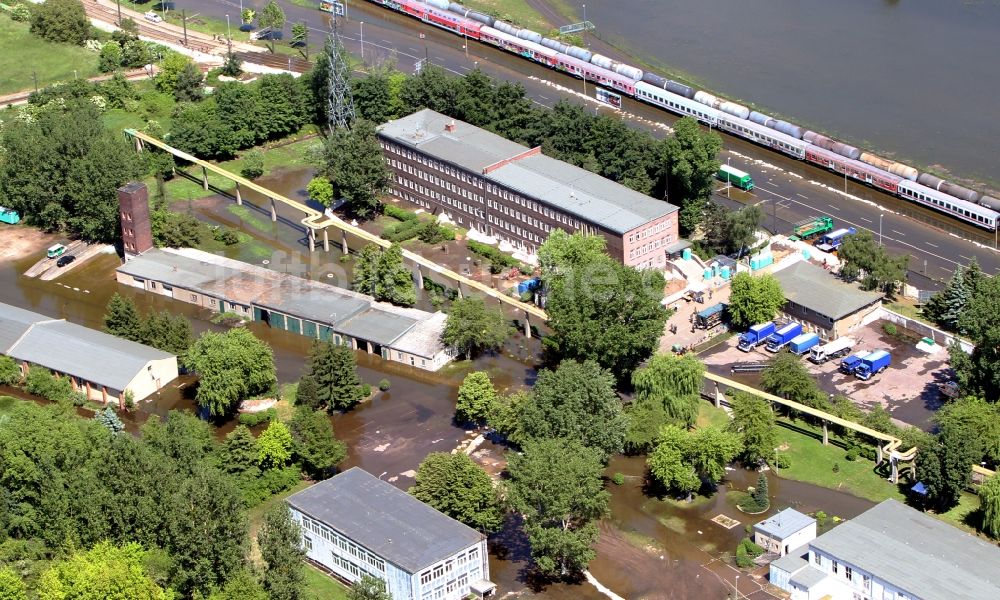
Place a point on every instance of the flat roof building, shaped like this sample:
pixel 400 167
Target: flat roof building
pixel 355 524
pixel 100 365
pixel 821 302
pixel 781 533
pixel 517 194
pixel 891 551
pixel 283 301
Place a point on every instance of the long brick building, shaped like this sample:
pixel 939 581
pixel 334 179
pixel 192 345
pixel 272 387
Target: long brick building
pixel 517 194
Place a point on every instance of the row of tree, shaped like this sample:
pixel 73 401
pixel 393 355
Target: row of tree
pixel 162 330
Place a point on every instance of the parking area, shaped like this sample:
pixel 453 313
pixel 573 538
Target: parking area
pixel 908 389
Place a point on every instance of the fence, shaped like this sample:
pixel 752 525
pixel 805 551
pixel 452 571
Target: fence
pixel 925 330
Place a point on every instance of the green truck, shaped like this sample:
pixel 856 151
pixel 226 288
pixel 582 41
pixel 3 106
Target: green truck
pixel 735 177
pixel 804 230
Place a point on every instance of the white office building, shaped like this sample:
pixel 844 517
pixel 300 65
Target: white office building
pixel 786 531
pixel 355 524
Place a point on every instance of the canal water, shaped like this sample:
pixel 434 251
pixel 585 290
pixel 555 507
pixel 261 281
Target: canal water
pixel 649 548
pixel 915 80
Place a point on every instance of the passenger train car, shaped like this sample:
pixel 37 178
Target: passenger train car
pixel 790 139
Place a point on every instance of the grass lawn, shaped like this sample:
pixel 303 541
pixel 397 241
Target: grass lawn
pixel 813 462
pixel 708 416
pixel 966 514
pixel 22 54
pixel 7 404
pixel 517 12
pixel 320 586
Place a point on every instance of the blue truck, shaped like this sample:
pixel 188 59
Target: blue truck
pixel 851 362
pixel 831 241
pixel 780 338
pixel 803 343
pixel 872 365
pixel 755 336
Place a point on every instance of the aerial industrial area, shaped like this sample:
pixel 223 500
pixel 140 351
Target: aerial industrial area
pixel 426 300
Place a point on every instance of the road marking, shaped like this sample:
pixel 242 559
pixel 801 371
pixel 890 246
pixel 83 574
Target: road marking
pixel 866 220
pixel 544 97
pixel 414 49
pixel 897 232
pixel 965 257
pixel 387 42
pixel 930 244
pixel 833 207
pixel 801 195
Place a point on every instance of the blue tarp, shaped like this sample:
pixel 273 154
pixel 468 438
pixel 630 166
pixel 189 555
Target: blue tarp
pixel 920 488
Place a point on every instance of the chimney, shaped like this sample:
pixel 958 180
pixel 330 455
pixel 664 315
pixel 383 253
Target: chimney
pixel 137 232
pixel 450 127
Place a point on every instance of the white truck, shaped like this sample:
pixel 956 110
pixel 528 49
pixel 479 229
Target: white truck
pixel 830 350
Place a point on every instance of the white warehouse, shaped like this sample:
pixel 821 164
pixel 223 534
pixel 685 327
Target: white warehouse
pixel 355 524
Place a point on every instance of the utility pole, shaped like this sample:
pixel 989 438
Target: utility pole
pixel 184 21
pixel 119 2
pixel 34 76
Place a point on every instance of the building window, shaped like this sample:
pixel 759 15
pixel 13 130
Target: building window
pixel 848 573
pixel 307 542
pixel 816 558
pixel 866 582
pixel 836 567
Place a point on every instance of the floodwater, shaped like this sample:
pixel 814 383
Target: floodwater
pixel 648 548
pixel 915 80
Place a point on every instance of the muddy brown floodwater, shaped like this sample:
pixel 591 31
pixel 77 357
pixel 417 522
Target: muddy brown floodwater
pixel 649 548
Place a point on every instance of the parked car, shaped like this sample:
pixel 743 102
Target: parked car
pixel 65 260
pixel 152 17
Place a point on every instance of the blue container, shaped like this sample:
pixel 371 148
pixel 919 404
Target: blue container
pixel 8 215
pixel 724 273
pixel 686 254
pixel 708 273
pixel 806 254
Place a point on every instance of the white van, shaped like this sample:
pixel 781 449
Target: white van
pixel 153 17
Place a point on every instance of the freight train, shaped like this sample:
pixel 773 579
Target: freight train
pixel 788 138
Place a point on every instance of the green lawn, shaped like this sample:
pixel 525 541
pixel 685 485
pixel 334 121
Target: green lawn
pixel 7 404
pixel 22 54
pixel 320 586
pixel 813 462
pixel 708 416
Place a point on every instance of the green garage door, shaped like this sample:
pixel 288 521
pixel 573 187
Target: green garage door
pixel 277 320
pixel 294 325
pixel 325 332
pixel 309 329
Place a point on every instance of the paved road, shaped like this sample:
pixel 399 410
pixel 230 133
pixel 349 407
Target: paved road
pixel 789 190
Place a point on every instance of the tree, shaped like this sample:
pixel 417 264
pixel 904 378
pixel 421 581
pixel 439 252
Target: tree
pixel 989 497
pixel 556 485
pixel 105 572
pixel 333 369
pixel 321 190
pixel 307 393
pixel 979 373
pixel 689 165
pixel 455 485
pixel 372 97
pixel 167 332
pixel 576 401
pixel 253 164
pixel 61 21
pixel 122 318
pixel 239 451
pixel 300 38
pixel 41 382
pixel 975 415
pixel 368 588
pixel 753 420
pixel 430 88
pixel 672 382
pixel 946 307
pixel 380 273
pixel 280 542
pixel 476 397
pixel 11 585
pixel 682 460
pixel 314 442
pixel 10 372
pixel 645 418
pixel 760 493
pixel 787 377
pixel 562 252
pixel 282 109
pixel 183 438
pixel 710 449
pixel 171 67
pixel 232 367
pixel 109 418
pixel 272 17
pixel 505 415
pixel 607 312
pixel 111 57
pixel 864 258
pixel 471 328
pixel 241 586
pixel 754 299
pixel 274 446
pixel 945 467
pixel 188 86
pixel 355 165
pixel 232 66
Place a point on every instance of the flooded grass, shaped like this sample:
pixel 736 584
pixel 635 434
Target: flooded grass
pixel 250 218
pixel 812 462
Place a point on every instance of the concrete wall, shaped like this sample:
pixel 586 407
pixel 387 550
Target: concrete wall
pixel 150 380
pixel 941 337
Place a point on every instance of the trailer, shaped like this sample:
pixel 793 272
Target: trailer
pixel 835 349
pixel 831 241
pixel 873 364
pixel 755 336
pixel 780 338
pixel 735 177
pixel 803 343
pixel 804 230
pixel 9 216
pixel 850 363
pixel 710 317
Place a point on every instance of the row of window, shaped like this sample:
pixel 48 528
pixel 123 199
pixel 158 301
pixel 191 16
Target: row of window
pixel 375 564
pixel 646 248
pixel 943 205
pixel 645 233
pixel 446 567
pixel 446 589
pixel 866 581
pixel 430 162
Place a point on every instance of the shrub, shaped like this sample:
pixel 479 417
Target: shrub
pixel 852 454
pixel 781 461
pixel 400 232
pixel 752 549
pixel 10 373
pixel 499 259
pixel 890 329
pixel 20 12
pixel 836 467
pixel 400 214
pixel 253 164
pixel 384 385
pixel 618 479
pixel 256 418
pixel 41 382
pixel 433 233
pixel 226 235
pixel 743 560
pixel 366 391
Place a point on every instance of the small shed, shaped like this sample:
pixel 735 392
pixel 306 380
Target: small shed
pixel 787 530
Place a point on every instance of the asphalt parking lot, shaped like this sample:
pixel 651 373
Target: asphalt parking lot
pixel 908 389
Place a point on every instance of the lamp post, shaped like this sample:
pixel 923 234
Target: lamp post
pixel 362 25
pixel 584 24
pixel 880 229
pixel 229 33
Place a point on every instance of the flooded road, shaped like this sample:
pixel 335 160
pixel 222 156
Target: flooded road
pixel 914 80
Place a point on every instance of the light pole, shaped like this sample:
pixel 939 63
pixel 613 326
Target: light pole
pixel 729 184
pixel 584 24
pixel 737 587
pixel 362 23
pixel 229 33
pixel 880 229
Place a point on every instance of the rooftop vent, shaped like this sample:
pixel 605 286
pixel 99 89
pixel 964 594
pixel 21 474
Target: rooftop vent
pixel 450 126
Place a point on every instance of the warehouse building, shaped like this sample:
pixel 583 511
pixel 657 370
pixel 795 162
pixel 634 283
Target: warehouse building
pixel 102 366
pixel 517 194
pixel 893 552
pixel 282 301
pixel 355 524
pixel 822 303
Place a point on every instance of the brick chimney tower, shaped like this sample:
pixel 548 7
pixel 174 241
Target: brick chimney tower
pixel 137 232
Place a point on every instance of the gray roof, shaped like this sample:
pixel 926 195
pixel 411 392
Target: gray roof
pixel 73 349
pixel 384 519
pixel 794 560
pixel 814 288
pixel 926 557
pixel 568 188
pixel 784 524
pixel 347 311
pixel 808 577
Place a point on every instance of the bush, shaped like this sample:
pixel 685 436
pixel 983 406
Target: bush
pixel 836 467
pixel 743 560
pixel 890 329
pixel 852 454
pixel 20 12
pixel 42 383
pixel 752 549
pixel 256 418
pixel 781 461
pixel 400 214
pixel 400 232
pixel 253 164
pixel 366 391
pixel 227 236
pixel 433 233
pixel 499 259
pixel 618 479
pixel 384 385
pixel 61 21
pixel 10 372
pixel 156 104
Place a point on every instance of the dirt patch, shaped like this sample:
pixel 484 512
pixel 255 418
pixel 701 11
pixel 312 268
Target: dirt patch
pixel 18 242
